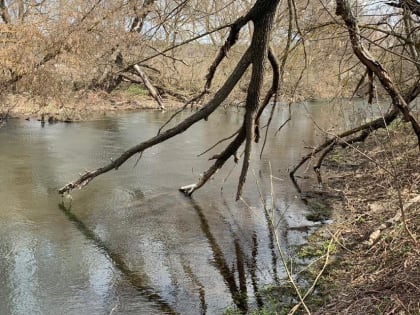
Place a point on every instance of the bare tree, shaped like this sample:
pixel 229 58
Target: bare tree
pixel 374 66
pixel 393 40
pixel 262 16
pixel 101 43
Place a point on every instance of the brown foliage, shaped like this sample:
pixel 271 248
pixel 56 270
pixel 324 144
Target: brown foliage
pixel 381 276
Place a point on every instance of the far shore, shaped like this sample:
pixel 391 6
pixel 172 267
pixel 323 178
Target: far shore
pixel 86 106
pixel 93 105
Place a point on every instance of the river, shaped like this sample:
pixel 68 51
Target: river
pixel 130 243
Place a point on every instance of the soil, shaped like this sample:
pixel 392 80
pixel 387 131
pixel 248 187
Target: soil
pixel 374 267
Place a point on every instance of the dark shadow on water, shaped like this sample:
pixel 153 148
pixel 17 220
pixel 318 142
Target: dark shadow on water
pixel 273 248
pixel 234 276
pixel 252 267
pixel 134 279
pixel 233 273
pixel 220 262
pixel 201 291
pixel 251 262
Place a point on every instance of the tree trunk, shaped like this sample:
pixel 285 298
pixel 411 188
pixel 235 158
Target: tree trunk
pixel 137 27
pixel 343 9
pixel 263 24
pixel 140 15
pixel 4 12
pixel 149 86
pixel 262 15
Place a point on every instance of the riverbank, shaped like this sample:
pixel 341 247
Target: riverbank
pixel 366 260
pixel 91 105
pixel 83 105
pixel 373 265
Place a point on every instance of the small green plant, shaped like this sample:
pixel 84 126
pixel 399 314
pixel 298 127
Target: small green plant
pixel 319 211
pixel 309 251
pixel 135 89
pixel 315 250
pixel 336 157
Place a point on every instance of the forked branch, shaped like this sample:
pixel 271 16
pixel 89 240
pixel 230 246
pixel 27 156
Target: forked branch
pixel 262 15
pixel 204 112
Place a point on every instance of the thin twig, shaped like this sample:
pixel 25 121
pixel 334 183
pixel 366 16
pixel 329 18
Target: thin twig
pixel 218 142
pixel 196 98
pixel 310 290
pixel 273 227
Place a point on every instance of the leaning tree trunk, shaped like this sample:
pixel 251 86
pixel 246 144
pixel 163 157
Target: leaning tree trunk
pixel 110 80
pixel 137 27
pixel 262 16
pixel 374 66
pixel 149 86
pixel 259 51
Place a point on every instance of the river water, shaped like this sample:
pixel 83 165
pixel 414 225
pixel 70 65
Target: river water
pixel 130 243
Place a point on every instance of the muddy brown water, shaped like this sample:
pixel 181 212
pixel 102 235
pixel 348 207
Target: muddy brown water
pixel 130 243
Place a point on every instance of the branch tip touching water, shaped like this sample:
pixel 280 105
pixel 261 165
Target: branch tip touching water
pixel 188 189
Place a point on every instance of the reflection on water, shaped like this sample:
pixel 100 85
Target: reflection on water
pixel 138 281
pixel 130 243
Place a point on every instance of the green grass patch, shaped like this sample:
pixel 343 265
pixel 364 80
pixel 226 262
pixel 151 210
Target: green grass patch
pixel 134 89
pixel 319 211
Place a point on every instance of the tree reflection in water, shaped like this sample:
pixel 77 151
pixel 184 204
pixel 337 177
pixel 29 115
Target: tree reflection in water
pixel 139 282
pixel 242 265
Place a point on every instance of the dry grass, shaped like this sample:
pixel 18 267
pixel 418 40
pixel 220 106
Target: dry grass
pixel 381 276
